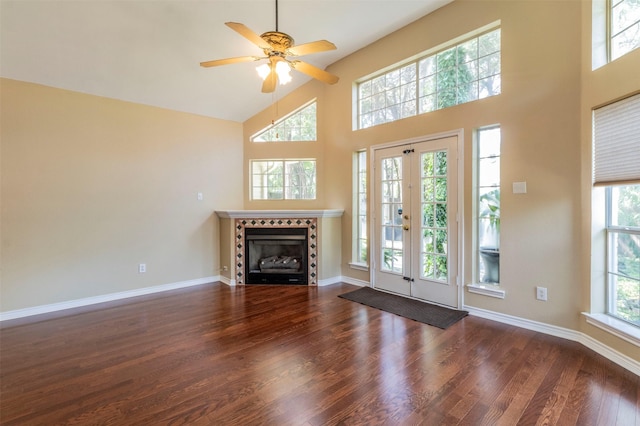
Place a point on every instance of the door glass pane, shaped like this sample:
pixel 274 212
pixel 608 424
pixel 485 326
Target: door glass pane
pixel 441 268
pixel 440 163
pixel 434 233
pixel 391 229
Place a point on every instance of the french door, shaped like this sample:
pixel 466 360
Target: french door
pixel 415 238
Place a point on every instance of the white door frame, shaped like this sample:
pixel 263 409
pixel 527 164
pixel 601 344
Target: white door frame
pixel 459 133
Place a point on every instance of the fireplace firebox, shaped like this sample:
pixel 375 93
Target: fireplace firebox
pixel 276 256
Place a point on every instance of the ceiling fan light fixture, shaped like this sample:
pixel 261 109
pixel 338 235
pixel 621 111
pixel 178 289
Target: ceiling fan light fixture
pixel 283 69
pixel 263 71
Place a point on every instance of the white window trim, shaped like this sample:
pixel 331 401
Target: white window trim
pixel 355 234
pixel 599 43
pixel 618 328
pixel 483 289
pixel 359 266
pixel 487 290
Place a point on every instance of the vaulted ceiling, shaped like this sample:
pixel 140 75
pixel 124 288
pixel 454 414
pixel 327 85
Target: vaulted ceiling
pixel 148 51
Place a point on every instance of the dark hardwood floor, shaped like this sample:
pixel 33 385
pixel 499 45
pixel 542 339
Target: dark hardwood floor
pixel 293 355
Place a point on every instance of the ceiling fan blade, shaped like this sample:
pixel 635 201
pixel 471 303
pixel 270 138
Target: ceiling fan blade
pixel 313 47
pixel 219 62
pixel 269 84
pixel 315 72
pixel 248 34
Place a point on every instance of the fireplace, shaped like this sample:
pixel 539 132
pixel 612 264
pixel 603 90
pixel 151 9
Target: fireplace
pixel 321 227
pixel 276 255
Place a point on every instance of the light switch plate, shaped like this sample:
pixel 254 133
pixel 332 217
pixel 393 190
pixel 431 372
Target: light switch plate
pixel 519 187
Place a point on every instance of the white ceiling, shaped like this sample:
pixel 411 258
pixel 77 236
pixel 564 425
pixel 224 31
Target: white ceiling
pixel 148 51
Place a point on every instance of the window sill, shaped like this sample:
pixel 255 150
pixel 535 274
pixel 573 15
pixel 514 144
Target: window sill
pixel 487 290
pixel 359 266
pixel 618 328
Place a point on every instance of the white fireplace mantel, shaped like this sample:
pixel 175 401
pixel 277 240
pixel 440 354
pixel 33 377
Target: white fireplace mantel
pixel 278 214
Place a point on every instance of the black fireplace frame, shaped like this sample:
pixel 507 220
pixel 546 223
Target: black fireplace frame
pixel 255 276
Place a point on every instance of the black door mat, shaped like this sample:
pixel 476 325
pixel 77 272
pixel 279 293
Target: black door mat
pixel 423 312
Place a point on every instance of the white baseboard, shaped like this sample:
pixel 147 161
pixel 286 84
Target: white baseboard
pixel 591 343
pixel 227 281
pixel 329 281
pixel 43 309
pixel 342 279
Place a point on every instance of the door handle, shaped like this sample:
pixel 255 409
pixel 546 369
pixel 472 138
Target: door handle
pixel 405 227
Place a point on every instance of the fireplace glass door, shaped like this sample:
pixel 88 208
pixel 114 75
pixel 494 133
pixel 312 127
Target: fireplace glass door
pixel 276 255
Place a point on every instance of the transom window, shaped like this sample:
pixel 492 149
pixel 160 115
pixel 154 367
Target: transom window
pixel 283 179
pixel 463 73
pixel 624 26
pixel 298 126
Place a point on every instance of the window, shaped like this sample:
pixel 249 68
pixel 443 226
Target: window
pixel 624 26
pixel 462 73
pixel 298 126
pixel 283 179
pixel 360 208
pixel 616 166
pixel 488 205
pixel 623 259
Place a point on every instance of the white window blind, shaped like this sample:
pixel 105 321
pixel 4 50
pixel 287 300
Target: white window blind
pixel 616 143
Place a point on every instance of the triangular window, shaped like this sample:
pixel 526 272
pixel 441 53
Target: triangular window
pixel 299 126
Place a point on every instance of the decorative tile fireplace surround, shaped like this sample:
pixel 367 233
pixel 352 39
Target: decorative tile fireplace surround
pixel 240 220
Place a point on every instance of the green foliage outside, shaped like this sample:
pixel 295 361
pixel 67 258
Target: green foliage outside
pixel 434 215
pixel 390 259
pixel 454 78
pixel 490 207
pixel 363 250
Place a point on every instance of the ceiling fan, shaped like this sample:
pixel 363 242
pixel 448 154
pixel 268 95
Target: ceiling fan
pixel 277 47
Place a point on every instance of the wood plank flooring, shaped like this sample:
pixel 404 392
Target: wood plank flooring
pixel 293 355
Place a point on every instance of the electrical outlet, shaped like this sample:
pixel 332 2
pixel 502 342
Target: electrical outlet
pixel 142 268
pixel 541 293
pixel 200 196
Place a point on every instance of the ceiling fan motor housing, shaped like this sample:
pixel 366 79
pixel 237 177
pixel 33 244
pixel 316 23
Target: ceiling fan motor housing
pixel 277 40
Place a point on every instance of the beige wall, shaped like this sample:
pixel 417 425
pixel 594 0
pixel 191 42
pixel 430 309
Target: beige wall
pixel 329 243
pixel 91 187
pixel 227 248
pixel 541 112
